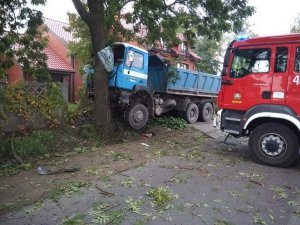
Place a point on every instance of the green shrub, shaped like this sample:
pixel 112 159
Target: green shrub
pixel 87 131
pixel 72 112
pixel 25 104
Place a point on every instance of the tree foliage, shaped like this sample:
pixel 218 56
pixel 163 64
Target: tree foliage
pixel 21 37
pixel 295 27
pixel 147 21
pixel 81 46
pixel 210 51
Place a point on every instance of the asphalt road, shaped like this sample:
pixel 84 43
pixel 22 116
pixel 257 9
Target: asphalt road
pixel 213 183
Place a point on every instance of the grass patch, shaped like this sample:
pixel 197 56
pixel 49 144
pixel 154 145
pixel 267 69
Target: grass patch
pixel 120 156
pixel 198 139
pixel 9 170
pixel 37 143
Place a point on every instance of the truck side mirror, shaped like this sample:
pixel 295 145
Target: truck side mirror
pixel 130 58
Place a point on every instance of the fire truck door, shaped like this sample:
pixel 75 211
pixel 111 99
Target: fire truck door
pixel 293 86
pixel 250 77
pixel 280 54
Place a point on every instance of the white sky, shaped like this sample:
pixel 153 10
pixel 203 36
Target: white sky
pixel 272 17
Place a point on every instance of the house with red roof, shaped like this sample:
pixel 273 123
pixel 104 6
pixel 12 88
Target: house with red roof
pixel 180 54
pixel 62 66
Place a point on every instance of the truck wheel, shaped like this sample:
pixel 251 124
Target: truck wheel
pixel 137 116
pixel 191 114
pixel 206 111
pixel 274 144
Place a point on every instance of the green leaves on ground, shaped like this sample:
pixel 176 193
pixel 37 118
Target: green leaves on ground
pixel 161 196
pixel 102 214
pixel 171 122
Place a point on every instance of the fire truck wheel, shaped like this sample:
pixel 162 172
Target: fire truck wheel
pixel 274 144
pixel 137 115
pixel 192 113
pixel 206 111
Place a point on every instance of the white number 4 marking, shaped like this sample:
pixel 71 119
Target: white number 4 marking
pixel 297 79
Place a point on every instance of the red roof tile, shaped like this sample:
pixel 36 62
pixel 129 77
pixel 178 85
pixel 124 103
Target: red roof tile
pixel 58 28
pixel 191 55
pixel 55 62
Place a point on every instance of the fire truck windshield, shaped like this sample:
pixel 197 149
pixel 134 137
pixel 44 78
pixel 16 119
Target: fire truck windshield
pixel 246 61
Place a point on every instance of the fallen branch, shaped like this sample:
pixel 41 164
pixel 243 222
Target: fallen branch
pixel 243 211
pixel 103 192
pixel 257 182
pixel 18 158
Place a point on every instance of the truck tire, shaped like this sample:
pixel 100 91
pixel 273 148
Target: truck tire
pixel 191 114
pixel 137 115
pixel 274 144
pixel 206 111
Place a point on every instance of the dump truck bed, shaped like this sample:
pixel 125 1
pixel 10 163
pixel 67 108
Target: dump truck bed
pixel 183 82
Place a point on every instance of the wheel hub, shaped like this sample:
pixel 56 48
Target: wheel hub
pixel 192 113
pixel 273 145
pixel 138 116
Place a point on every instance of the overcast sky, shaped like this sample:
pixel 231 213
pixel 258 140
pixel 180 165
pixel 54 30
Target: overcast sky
pixel 272 17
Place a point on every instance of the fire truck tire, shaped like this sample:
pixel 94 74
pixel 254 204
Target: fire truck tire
pixel 274 144
pixel 192 113
pixel 206 111
pixel 137 115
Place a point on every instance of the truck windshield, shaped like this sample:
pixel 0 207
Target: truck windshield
pixel 118 53
pixel 248 61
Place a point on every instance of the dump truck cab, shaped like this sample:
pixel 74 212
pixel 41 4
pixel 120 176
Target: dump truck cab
pixel 130 67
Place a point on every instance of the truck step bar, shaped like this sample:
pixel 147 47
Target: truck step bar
pixel 231 131
pixel 232 119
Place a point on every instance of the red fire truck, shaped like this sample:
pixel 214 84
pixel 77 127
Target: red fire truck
pixel 260 97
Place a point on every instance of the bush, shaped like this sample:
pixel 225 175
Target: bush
pixel 72 112
pixel 87 131
pixel 23 100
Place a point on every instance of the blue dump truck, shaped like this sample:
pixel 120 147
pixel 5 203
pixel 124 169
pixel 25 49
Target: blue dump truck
pixel 143 86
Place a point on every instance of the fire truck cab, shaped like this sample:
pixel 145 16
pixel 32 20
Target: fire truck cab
pixel 260 97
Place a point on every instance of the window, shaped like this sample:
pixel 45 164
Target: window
pixel 248 61
pixel 297 60
pixel 4 79
pixel 138 59
pixel 281 59
pixel 118 54
pixel 57 78
pixel 184 47
pixel 182 66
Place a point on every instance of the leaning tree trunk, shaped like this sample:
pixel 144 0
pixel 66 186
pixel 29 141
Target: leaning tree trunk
pixel 102 110
pixel 95 18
